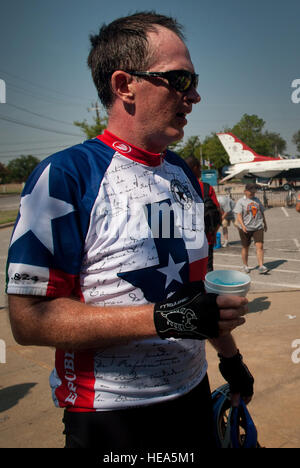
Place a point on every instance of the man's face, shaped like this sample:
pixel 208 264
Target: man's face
pixel 160 109
pixel 250 193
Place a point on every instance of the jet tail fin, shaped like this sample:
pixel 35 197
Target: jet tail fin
pixel 238 151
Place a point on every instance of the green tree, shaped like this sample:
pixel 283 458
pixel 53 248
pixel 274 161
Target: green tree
pixel 192 147
pixel 250 130
pixel 213 150
pixel 273 144
pixel 20 168
pixel 296 140
pixel 3 173
pixel 100 123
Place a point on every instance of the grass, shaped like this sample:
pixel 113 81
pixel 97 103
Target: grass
pixel 8 216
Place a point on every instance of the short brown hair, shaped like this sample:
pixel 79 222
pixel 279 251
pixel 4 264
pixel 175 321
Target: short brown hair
pixel 251 187
pixel 192 162
pixel 123 45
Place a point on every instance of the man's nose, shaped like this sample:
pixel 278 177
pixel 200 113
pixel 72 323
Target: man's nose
pixel 193 96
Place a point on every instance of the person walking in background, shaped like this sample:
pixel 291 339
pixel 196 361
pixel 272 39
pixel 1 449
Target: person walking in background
pixel 298 203
pixel 194 165
pixel 227 206
pixel 251 224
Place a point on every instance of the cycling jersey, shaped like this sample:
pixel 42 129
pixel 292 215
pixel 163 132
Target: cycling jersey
pixel 111 224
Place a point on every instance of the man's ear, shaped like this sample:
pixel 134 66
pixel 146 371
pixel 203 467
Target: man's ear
pixel 121 83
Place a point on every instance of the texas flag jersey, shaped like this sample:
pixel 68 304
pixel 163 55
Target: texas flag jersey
pixel 112 225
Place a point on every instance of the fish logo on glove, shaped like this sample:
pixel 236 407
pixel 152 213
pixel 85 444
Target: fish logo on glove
pixel 183 323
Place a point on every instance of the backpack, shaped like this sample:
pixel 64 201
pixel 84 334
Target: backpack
pixel 212 216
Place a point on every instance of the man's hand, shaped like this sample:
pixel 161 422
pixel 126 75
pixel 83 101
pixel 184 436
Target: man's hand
pixel 237 374
pixel 191 313
pixel 232 309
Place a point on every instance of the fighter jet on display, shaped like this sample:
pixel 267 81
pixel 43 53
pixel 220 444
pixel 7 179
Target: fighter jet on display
pixel 246 162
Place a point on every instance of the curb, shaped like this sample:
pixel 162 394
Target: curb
pixel 5 225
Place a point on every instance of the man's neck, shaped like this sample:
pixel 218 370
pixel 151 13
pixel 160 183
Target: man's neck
pixel 133 133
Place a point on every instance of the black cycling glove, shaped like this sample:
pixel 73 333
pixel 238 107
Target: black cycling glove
pixel 237 374
pixel 189 313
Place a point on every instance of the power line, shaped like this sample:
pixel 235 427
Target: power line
pixel 25 124
pixel 25 92
pixel 39 115
pixel 33 149
pixel 32 143
pixel 43 87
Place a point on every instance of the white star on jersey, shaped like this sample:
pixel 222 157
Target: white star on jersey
pixel 37 211
pixel 172 271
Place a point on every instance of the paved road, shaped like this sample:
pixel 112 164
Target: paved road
pixel 5 234
pixel 29 419
pixel 9 202
pixel 282 252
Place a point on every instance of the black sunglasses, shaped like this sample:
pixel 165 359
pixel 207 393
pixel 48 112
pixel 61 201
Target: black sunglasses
pixel 181 80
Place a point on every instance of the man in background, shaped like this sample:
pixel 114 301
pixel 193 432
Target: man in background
pixel 252 224
pixel 227 206
pixel 194 165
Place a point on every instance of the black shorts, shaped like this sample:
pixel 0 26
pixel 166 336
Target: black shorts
pixel 183 423
pixel 246 237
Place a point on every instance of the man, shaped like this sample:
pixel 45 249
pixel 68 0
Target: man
pixel 252 224
pixel 194 165
pixel 94 272
pixel 227 206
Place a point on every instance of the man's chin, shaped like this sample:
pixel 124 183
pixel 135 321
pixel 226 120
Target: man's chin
pixel 176 135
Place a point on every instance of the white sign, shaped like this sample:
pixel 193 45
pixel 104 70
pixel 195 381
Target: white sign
pixel 2 92
pixel 2 352
pixel 296 94
pixel 296 353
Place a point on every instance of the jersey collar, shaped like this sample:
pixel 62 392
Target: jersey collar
pixel 130 151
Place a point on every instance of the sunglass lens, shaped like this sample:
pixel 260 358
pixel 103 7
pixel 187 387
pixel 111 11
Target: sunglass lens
pixel 182 81
pixel 196 81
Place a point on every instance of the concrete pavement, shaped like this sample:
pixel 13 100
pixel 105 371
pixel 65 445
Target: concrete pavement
pixel 29 419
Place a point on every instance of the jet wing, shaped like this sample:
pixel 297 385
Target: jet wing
pixel 234 173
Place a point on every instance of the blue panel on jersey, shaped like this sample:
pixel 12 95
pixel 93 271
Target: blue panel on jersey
pixel 172 271
pixel 53 225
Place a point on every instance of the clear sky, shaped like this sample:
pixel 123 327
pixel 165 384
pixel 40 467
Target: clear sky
pixel 247 54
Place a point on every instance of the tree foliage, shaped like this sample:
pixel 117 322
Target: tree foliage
pixel 250 129
pixel 100 123
pixel 296 140
pixel 3 173
pixel 213 151
pixel 191 147
pixel 19 169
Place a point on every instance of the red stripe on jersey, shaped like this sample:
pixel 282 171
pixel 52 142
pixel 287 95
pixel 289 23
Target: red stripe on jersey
pixel 130 151
pixel 76 372
pixel 62 284
pixel 198 269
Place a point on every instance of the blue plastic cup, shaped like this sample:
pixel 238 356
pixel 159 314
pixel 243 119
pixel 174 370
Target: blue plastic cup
pixel 227 282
